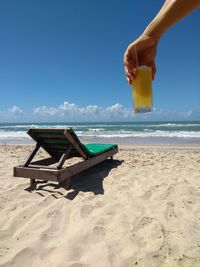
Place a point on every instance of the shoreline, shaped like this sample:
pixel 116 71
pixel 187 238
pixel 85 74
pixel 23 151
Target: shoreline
pixel 159 146
pixel 125 146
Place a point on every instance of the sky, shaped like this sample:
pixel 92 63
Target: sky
pixel 63 61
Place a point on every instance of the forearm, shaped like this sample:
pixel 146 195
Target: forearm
pixel 171 12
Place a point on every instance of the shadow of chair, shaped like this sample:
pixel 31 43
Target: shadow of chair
pixel 90 180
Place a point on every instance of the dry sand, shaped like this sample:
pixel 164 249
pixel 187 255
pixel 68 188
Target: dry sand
pixel 142 209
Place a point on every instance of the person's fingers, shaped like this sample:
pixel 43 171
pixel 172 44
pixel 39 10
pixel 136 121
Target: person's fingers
pixel 129 73
pixel 129 59
pixel 130 76
pixel 135 72
pixel 129 80
pixel 129 65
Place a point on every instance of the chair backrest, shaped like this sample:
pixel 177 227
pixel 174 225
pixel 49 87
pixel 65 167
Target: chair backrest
pixel 57 141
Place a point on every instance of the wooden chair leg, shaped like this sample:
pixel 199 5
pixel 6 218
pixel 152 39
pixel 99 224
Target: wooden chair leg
pixel 32 182
pixel 66 183
pixel 32 155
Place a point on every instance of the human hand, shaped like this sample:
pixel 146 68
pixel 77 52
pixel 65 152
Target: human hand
pixel 145 47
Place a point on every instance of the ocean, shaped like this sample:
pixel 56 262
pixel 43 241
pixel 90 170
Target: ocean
pixel 170 132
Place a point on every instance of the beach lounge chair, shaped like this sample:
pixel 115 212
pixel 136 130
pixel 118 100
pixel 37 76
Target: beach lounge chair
pixel 61 144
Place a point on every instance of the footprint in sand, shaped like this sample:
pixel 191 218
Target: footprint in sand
pixel 78 265
pixel 148 233
pixel 147 195
pixel 3 251
pixel 169 211
pixel 23 218
pixel 24 256
pixel 86 210
pixel 75 253
pixel 98 234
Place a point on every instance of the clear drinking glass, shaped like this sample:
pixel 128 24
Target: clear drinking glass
pixel 142 90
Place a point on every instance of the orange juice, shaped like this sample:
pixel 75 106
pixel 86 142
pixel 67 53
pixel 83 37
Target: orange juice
pixel 142 90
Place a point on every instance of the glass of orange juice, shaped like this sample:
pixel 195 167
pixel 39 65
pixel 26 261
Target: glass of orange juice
pixel 142 90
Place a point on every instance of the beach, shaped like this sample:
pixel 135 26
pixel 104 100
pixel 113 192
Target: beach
pixel 141 209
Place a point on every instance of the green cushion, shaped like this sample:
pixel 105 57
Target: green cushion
pixel 95 149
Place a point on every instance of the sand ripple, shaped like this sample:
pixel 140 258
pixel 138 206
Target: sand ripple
pixel 140 210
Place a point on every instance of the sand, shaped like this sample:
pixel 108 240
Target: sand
pixel 142 209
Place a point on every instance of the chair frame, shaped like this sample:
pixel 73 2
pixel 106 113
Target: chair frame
pixel 42 169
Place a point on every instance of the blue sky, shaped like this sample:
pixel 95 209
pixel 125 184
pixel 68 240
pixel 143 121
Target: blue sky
pixel 63 61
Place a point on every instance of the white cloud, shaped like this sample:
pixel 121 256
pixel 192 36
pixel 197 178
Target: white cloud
pixel 45 111
pixel 115 112
pixel 15 110
pixel 73 111
pixel 92 110
pixel 118 110
pixel 68 109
